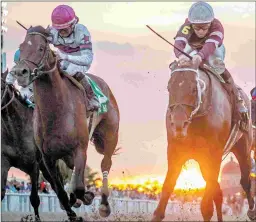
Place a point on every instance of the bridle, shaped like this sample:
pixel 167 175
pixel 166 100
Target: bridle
pixel 38 71
pixel 199 93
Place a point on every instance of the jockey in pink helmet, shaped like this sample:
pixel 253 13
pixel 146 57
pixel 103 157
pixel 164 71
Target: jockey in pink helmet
pixel 74 45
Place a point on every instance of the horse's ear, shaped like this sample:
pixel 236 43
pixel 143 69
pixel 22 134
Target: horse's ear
pixel 49 35
pixel 48 28
pixel 173 65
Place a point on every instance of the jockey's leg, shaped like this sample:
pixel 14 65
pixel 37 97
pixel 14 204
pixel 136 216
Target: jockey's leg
pixel 240 104
pixel 78 72
pixel 93 102
pixel 217 62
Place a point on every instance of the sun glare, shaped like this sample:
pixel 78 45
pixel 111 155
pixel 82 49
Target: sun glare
pixel 189 178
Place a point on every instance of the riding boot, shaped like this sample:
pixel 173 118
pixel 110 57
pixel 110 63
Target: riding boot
pixel 92 102
pixel 240 104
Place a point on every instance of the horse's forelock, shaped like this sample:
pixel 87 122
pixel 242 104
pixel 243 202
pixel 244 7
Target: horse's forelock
pixel 40 30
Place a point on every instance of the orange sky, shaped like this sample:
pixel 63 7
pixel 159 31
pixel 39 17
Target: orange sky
pixel 134 62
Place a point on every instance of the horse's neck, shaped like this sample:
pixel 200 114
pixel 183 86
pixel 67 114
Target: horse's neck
pixel 50 90
pixel 16 118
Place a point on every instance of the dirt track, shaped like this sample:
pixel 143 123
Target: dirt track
pixel 130 217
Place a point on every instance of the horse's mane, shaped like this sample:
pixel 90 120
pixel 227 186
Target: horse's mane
pixel 187 64
pixel 39 29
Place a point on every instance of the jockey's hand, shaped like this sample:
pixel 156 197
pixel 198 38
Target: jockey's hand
pixel 182 59
pixel 196 60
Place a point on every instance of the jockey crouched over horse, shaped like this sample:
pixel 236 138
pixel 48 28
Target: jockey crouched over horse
pixel 72 107
pixel 208 115
pixel 75 53
pixel 201 36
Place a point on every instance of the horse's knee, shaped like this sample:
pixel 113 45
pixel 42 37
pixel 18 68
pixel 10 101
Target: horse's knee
pixel 35 200
pixel 218 195
pixel 207 209
pixel 106 163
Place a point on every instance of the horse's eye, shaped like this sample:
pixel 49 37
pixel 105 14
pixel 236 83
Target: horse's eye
pixel 41 49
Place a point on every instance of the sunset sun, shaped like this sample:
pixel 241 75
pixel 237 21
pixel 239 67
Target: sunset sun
pixel 189 178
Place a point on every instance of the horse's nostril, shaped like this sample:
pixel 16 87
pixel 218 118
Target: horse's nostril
pixel 24 71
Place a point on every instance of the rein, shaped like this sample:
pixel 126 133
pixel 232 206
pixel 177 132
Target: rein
pixel 5 94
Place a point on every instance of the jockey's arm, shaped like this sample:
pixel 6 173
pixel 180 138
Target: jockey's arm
pixel 214 40
pixel 83 57
pixel 181 38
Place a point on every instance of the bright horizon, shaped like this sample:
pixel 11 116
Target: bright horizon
pixel 124 50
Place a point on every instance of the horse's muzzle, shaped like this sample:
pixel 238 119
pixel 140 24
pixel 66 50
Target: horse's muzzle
pixel 21 71
pixel 22 75
pixel 179 130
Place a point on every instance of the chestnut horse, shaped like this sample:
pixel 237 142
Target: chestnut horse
pixel 198 123
pixel 60 119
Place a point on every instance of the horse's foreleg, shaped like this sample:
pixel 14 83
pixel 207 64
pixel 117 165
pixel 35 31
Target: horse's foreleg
pixel 79 186
pixel 218 199
pixel 174 167
pixel 210 170
pixel 207 202
pixel 5 166
pixel 34 198
pixel 51 175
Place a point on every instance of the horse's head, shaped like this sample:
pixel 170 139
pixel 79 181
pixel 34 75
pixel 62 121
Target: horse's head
pixel 35 56
pixel 184 97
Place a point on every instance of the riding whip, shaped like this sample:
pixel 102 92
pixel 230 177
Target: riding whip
pixel 21 25
pixel 169 43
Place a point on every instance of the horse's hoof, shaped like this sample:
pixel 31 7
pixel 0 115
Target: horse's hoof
pixel 88 197
pixel 156 218
pixel 80 219
pixel 104 210
pixel 252 213
pixel 77 204
pixel 76 219
pixel 27 218
pixel 37 219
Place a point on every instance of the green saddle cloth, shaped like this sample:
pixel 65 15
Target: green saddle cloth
pixel 103 100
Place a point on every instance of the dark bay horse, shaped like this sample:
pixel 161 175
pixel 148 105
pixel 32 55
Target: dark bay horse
pixel 17 143
pixel 60 123
pixel 198 122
